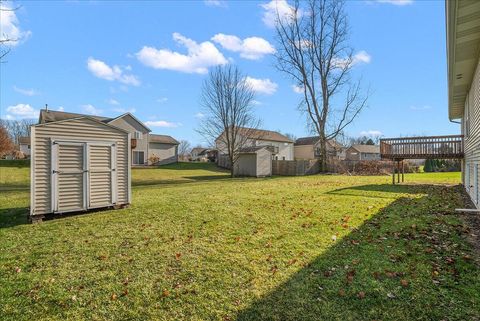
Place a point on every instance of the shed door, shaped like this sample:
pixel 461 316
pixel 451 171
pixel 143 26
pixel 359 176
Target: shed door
pixel 68 177
pixel 101 175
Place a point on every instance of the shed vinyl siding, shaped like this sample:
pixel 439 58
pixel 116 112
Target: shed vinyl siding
pixel 264 163
pixel 471 127
pixel 246 165
pixel 70 180
pixel 80 130
pixel 100 175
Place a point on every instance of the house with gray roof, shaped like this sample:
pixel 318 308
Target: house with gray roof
pixel 308 148
pixel 146 148
pixel 363 152
pixel 281 144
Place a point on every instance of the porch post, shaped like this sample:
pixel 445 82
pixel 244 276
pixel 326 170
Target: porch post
pixel 393 172
pixel 403 172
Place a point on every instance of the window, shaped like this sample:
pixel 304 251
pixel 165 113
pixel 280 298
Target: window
pixel 138 157
pixel 138 135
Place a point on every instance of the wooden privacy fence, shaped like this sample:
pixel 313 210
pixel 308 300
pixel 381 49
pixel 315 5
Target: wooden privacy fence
pixel 223 161
pixel 295 167
pixel 433 147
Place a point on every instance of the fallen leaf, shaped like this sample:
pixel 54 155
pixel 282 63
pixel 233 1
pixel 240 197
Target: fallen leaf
pixel 361 295
pixel 404 283
pixel 165 293
pixel 341 292
pixel 113 297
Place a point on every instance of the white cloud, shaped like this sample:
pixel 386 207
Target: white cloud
pixel 360 57
pixel 396 2
pixel 256 103
pixel 115 73
pixel 371 133
pixel 124 110
pixel 275 10
pixel 297 89
pixel 215 3
pixel 199 115
pixel 162 123
pixel 198 59
pixel 26 92
pixel 10 26
pixel 114 102
pixel 263 86
pixel 90 109
pixel 61 108
pixel 425 107
pixel 249 48
pixel 21 111
pixel 162 100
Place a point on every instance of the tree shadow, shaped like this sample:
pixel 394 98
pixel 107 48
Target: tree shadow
pixel 10 217
pixel 366 190
pixel 383 269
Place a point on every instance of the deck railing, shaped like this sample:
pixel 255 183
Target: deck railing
pixel 446 147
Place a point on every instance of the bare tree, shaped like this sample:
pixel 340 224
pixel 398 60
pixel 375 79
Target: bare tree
pixel 6 144
pixel 17 128
pixel 183 149
pixel 227 101
pixel 312 48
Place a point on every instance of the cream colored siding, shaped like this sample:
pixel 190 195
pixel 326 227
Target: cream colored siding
pixel 77 130
pixel 264 163
pixel 166 152
pixel 304 152
pixel 100 175
pixel 25 149
pixel 130 125
pixel 285 150
pixel 471 128
pixel 70 178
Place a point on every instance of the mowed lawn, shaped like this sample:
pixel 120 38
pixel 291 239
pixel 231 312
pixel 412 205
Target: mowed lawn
pixel 197 245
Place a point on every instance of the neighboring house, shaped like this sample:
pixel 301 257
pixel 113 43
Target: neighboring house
pixel 363 152
pixel 282 145
pixel 24 145
pixel 463 54
pixel 308 148
pixel 146 148
pixel 199 154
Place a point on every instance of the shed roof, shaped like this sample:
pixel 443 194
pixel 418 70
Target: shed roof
pixel 368 149
pixel 164 139
pixel 47 116
pixel 262 134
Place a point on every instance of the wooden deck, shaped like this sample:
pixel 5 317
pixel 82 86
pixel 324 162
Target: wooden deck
pixel 429 147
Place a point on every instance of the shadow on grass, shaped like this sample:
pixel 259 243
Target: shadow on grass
pixel 188 166
pixel 10 217
pixel 383 269
pixel 366 190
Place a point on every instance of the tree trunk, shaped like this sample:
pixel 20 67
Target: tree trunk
pixel 323 155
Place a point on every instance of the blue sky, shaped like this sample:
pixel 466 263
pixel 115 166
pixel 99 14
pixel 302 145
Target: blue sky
pixel 152 57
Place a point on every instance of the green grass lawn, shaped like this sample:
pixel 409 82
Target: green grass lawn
pixel 197 245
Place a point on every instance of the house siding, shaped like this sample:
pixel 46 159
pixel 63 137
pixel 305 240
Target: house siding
pixel 131 126
pixel 166 152
pixel 304 152
pixel 472 138
pixel 79 130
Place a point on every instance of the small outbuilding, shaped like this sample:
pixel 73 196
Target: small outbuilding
pixel 78 164
pixel 254 161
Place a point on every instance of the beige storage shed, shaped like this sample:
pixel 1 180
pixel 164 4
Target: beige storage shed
pixel 78 164
pixel 254 161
